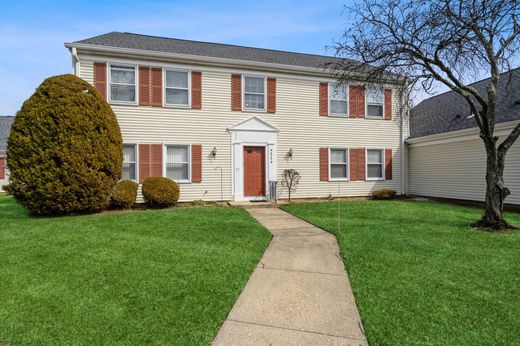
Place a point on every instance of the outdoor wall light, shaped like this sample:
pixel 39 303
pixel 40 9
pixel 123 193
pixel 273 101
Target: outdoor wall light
pixel 214 152
pixel 290 153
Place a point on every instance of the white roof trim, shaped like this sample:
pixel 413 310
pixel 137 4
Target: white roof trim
pixel 255 124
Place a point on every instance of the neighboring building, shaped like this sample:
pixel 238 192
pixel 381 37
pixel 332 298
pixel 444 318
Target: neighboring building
pixel 5 127
pixel 447 158
pixel 225 121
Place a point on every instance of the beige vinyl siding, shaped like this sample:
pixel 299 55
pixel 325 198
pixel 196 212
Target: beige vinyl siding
pixel 457 170
pixel 297 118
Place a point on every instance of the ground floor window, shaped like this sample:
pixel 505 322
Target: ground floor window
pixel 129 162
pixel 178 163
pixel 374 164
pixel 338 163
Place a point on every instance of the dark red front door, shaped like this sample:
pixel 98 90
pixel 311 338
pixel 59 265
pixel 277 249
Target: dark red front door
pixel 254 171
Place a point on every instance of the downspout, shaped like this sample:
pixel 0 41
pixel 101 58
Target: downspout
pixel 401 139
pixel 75 61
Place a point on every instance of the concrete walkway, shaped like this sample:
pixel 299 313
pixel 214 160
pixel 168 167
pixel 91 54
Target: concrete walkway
pixel 299 294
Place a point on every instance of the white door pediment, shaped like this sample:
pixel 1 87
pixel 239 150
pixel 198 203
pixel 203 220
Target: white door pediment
pixel 254 124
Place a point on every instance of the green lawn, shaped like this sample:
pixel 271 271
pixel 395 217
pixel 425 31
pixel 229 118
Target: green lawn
pixel 132 278
pixel 421 276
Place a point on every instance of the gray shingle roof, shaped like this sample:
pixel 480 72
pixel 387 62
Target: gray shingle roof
pixel 207 49
pixel 450 111
pixel 5 128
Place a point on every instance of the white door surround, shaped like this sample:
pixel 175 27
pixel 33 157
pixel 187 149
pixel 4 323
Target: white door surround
pixel 257 133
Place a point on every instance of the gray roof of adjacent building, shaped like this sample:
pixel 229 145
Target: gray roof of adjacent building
pixel 207 49
pixel 450 111
pixel 5 128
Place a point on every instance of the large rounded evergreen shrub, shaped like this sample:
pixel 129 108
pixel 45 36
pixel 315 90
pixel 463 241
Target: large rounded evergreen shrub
pixel 65 149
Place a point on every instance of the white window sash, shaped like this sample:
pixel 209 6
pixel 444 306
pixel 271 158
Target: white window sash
pixel 134 162
pixel 244 93
pixel 188 162
pixel 381 104
pixel 381 164
pixel 177 88
pixel 110 82
pixel 346 164
pixel 332 97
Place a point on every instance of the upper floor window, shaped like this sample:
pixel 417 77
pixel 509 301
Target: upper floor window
pixel 375 101
pixel 338 164
pixel 178 163
pixel 374 164
pixel 129 162
pixel 338 101
pixel 177 88
pixel 254 93
pixel 122 83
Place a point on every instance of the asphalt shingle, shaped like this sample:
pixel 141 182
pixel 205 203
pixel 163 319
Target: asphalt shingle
pixel 450 111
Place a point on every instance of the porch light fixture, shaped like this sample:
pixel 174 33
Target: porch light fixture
pixel 290 153
pixel 214 152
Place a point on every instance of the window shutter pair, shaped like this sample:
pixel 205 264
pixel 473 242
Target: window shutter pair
pixel 357 164
pixel 151 162
pixel 356 101
pixel 150 86
pixel 236 93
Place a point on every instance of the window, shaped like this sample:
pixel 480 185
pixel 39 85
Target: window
pixel 374 164
pixel 338 99
pixel 122 83
pixel 375 101
pixel 177 88
pixel 178 163
pixel 129 162
pixel 338 164
pixel 254 93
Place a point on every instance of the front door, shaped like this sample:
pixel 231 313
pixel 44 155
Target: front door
pixel 254 171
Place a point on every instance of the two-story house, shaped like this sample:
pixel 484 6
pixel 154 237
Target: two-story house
pixel 225 121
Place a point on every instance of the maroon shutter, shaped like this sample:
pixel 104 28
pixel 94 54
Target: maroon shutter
pixel 100 78
pixel 156 158
pixel 144 162
pixel 236 92
pixel 196 163
pixel 388 163
pixel 388 104
pixel 271 95
pixel 361 163
pixel 353 165
pixel 356 97
pixel 2 167
pixel 196 90
pixel 144 86
pixel 324 164
pixel 156 86
pixel 324 99
pixel 150 161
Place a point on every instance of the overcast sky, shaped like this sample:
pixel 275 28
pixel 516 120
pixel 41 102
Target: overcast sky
pixel 32 33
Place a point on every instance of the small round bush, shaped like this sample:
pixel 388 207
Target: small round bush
pixel 124 194
pixel 160 192
pixel 65 149
pixel 384 194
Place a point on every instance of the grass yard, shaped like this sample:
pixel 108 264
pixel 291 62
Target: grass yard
pixel 128 278
pixel 421 276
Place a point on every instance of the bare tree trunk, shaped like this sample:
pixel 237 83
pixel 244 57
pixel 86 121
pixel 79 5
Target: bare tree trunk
pixel 496 192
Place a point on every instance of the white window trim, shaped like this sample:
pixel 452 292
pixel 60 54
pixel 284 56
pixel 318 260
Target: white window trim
pixel 109 82
pixel 263 110
pixel 339 115
pixel 383 163
pixel 172 105
pixel 348 164
pixel 374 104
pixel 136 147
pixel 165 161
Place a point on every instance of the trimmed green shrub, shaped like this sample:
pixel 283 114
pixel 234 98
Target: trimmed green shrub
pixel 65 149
pixel 384 194
pixel 160 192
pixel 124 194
